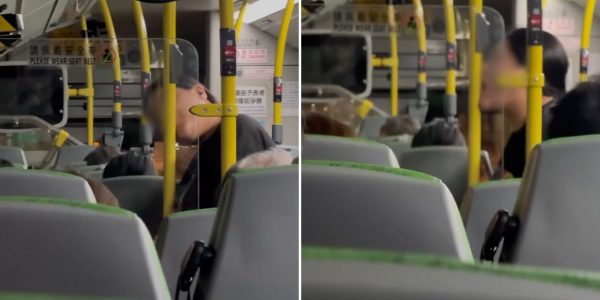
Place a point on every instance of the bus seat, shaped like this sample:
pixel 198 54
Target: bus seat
pixel 370 126
pixel 255 237
pixel 15 155
pixel 355 274
pixel 558 205
pixel 322 147
pixel 71 154
pixel 398 143
pixel 142 195
pixel 482 202
pixel 71 248
pixel 176 234
pixel 368 206
pixel 16 182
pixel 448 163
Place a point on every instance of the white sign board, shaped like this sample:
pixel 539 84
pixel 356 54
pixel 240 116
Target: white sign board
pixel 256 72
pixel 252 100
pixel 290 98
pixel 252 55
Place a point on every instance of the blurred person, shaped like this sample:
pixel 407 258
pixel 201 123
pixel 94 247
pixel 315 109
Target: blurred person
pixel 400 125
pixel 578 112
pixel 101 192
pixel 129 164
pixel 203 175
pixel 510 58
pixel 101 155
pixel 438 133
pixel 322 124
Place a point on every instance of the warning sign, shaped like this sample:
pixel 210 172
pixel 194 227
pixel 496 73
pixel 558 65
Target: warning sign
pixel 252 55
pixel 71 52
pixel 290 98
pixel 252 100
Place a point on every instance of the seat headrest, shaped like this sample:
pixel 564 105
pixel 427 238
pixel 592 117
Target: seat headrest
pixel 369 206
pixel 49 243
pixel 18 182
pixel 359 274
pixel 347 149
pixel 257 227
pixel 558 204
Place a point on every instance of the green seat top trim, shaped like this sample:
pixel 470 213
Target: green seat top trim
pixel 56 173
pixel 344 139
pixel 20 296
pixel 194 212
pixel 576 278
pixel 70 203
pixel 498 182
pixel 371 167
pixel 264 170
pixel 579 138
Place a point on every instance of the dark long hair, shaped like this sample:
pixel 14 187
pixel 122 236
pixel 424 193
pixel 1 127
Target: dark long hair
pixel 556 62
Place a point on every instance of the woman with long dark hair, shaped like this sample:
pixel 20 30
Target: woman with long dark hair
pixel 510 57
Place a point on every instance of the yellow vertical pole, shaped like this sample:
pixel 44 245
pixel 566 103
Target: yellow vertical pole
pixel 451 63
pixel 393 59
pixel 116 64
pixel 140 24
pixel 277 129
pixel 535 71
pixel 422 54
pixel 89 82
pixel 169 88
pixel 240 19
pixel 474 138
pixel 586 32
pixel 228 74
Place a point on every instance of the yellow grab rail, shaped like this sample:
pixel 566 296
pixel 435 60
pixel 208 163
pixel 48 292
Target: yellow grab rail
pixel 277 128
pixel 240 19
pixel 586 32
pixel 451 62
pixel 535 71
pixel 474 138
pixel 422 54
pixel 228 74
pixel 89 82
pixel 140 24
pixel 117 115
pixel 169 88
pixel 393 59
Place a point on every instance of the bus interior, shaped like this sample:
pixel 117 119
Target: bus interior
pixel 406 188
pixel 108 109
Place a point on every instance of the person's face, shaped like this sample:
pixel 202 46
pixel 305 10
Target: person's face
pixel 188 126
pixel 494 97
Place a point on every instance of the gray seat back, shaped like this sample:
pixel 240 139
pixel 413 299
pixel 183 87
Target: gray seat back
pixel 256 236
pixel 317 147
pixel 354 275
pixel 176 234
pixel 399 144
pixel 448 163
pixel 70 248
pixel 68 155
pixel 481 204
pixel 370 126
pixel 15 155
pixel 558 205
pixel 142 195
pixel 367 206
pixel 17 182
